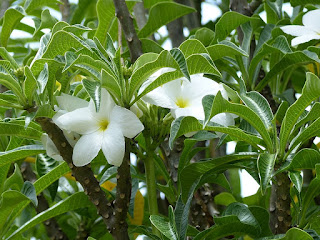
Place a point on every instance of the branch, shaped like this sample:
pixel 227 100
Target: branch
pixel 83 175
pixel 65 10
pixel 130 34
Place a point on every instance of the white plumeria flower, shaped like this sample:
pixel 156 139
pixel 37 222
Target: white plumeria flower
pixel 66 103
pixel 184 97
pixel 104 130
pixel 306 33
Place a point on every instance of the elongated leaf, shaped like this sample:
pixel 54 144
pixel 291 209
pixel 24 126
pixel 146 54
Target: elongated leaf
pixel 219 105
pixel 310 92
pixel 258 104
pixel 192 46
pixel 296 234
pixel 228 22
pixel 180 59
pixel 224 199
pixel 195 171
pixel 106 17
pixel 20 153
pixel 12 129
pixel 205 36
pixel 225 49
pixel 43 78
pixel 164 59
pixel 295 3
pixel 29 85
pixel 296 179
pixel 265 164
pixel 45 164
pixel 79 13
pixel 306 134
pixel 75 201
pixel 6 55
pixel 31 5
pixel 162 13
pixel 61 42
pixel 94 90
pixel 10 20
pixel 305 159
pixel 184 125
pixel 9 201
pixel 46 21
pixel 111 84
pixel 287 61
pixel 11 83
pixel 165 227
pixel 202 63
pixel 30 192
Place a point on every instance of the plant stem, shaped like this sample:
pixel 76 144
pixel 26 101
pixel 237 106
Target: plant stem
pixel 151 187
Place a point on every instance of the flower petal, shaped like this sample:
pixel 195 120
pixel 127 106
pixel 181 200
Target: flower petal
pixel 128 122
pixel 51 149
pixel 196 111
pixel 113 145
pixel 70 103
pixel 303 39
pixel 159 98
pixel 296 30
pixel 87 148
pixel 312 20
pixel 79 121
pixel 106 106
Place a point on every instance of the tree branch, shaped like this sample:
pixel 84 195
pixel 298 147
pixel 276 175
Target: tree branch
pixel 130 34
pixel 83 175
pixel 65 10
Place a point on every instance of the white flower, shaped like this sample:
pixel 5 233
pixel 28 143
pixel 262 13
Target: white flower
pixel 104 130
pixel 67 103
pixel 306 33
pixel 184 97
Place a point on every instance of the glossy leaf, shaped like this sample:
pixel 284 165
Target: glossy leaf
pixel 192 46
pixel 31 5
pixel 202 63
pixel 265 164
pixel 310 92
pixel 94 90
pixel 13 129
pixel 296 234
pixel 75 201
pixel 30 192
pixel 225 49
pixel 162 13
pixel 305 159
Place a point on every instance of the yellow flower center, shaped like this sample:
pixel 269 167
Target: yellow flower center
pixel 103 125
pixel 182 102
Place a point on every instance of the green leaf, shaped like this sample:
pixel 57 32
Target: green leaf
pixel 225 49
pixel 31 5
pixel 310 92
pixel 164 59
pixel 195 171
pixel 165 227
pixel 29 85
pixel 295 3
pixel 228 22
pixel 75 201
pixel 30 192
pixel 10 20
pixel 305 159
pixel 46 21
pixel 13 129
pixel 79 13
pixel 296 234
pixel 204 35
pixel 162 13
pixel 265 164
pixel 15 181
pixel 43 78
pixel 106 18
pixel 256 102
pixel 219 105
pixel 6 55
pixel 202 63
pixel 45 164
pixel 185 125
pixel 149 45
pixel 180 59
pixel 224 199
pixel 296 179
pixel 20 153
pixel 192 46
pixel 9 201
pixel 109 82
pixel 94 90
pixel 11 83
pixel 288 60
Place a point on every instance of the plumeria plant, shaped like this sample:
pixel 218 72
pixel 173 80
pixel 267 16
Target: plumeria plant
pixel 107 132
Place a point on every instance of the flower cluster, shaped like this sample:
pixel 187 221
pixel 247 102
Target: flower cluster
pixel 89 131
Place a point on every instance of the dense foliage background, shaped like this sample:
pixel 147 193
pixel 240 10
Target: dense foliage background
pixel 175 180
